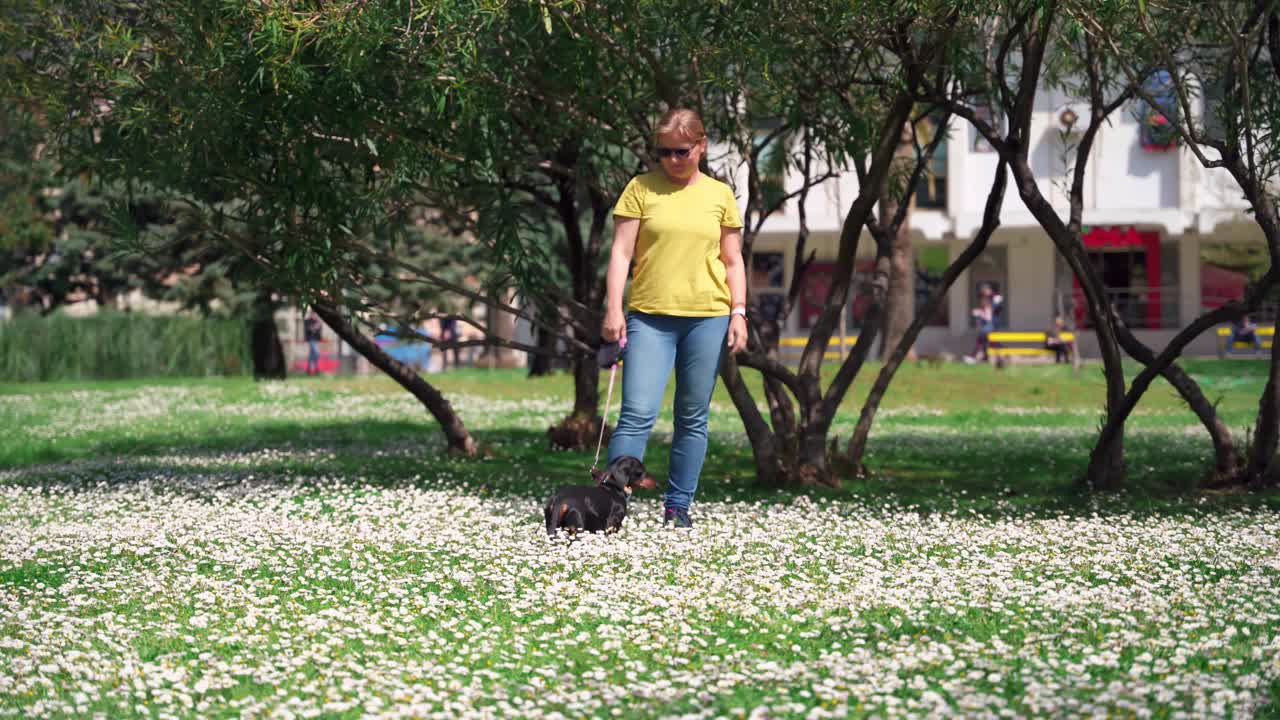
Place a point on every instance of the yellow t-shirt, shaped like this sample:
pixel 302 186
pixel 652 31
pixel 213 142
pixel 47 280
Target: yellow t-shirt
pixel 678 270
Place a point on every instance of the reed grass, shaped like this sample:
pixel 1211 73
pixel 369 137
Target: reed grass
pixel 116 346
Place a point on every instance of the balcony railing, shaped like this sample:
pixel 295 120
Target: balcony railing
pixel 1141 308
pixel 1266 314
pixel 1154 308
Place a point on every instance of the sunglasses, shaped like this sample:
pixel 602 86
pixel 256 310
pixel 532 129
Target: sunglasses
pixel 663 152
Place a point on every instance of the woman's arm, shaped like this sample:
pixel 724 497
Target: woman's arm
pixel 625 230
pixel 736 276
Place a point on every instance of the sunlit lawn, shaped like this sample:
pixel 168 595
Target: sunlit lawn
pixel 225 548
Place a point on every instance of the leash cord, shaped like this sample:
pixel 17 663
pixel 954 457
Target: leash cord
pixel 613 371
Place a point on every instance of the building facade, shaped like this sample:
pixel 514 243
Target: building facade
pixel 1169 238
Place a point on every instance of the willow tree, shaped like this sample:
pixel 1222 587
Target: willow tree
pixel 65 239
pixel 292 135
pixel 840 82
pixel 553 109
pixel 1012 51
pixel 1233 47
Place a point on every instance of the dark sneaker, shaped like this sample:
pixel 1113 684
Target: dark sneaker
pixel 678 517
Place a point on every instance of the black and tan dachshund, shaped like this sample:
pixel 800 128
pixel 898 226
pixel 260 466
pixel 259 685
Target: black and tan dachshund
pixel 601 507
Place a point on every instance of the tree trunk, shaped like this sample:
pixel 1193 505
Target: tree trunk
pixel 456 435
pixel 581 430
pixel 900 303
pixel 812 468
pixel 268 354
pixel 540 364
pixel 502 325
pixel 990 221
pixel 543 363
pixel 1106 470
pixel 764 447
pixel 1106 463
pixel 1261 470
pixel 804 462
pixel 782 411
pixel 818 409
pixel 1226 460
pixel 900 307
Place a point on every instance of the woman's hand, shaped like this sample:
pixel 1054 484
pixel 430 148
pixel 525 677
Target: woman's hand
pixel 625 229
pixel 736 276
pixel 737 338
pixel 615 325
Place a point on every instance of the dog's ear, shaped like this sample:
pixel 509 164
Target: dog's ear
pixel 631 473
pixel 637 476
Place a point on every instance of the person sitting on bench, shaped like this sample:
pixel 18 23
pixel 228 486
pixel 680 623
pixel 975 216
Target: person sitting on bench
pixel 1053 341
pixel 1244 330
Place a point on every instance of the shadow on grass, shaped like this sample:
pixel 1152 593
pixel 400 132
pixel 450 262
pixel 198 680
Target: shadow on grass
pixel 912 468
pixel 281 435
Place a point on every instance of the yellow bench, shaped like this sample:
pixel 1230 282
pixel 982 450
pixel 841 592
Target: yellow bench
pixel 1024 346
pixel 1265 336
pixel 791 348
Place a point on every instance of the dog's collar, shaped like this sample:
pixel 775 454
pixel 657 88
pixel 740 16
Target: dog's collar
pixel 609 482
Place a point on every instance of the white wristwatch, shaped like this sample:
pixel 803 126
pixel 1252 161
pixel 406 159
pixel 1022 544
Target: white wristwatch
pixel 739 311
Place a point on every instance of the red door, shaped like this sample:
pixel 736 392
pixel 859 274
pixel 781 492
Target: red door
pixel 1106 238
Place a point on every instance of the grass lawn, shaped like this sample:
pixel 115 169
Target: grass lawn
pixel 302 549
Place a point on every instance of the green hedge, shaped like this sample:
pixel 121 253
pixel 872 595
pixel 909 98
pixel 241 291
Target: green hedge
pixel 113 345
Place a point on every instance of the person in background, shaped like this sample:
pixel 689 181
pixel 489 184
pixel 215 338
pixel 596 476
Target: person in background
pixel 311 332
pixel 1243 329
pixel 428 331
pixel 448 334
pixel 989 306
pixel 1053 341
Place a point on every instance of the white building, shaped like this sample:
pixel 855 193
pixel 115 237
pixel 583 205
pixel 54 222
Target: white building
pixel 1155 220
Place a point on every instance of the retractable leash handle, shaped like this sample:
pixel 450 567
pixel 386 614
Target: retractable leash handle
pixel 607 352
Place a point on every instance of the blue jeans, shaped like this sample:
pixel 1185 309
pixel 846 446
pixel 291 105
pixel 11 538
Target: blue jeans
pixel 1241 335
pixel 656 344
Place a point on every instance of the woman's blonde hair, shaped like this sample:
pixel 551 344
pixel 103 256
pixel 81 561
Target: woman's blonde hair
pixel 683 122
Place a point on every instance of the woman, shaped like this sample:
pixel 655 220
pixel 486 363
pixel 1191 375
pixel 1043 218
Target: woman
pixel 687 301
pixel 989 305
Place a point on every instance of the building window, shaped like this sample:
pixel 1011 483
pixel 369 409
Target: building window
pixel 768 285
pixel 1157 120
pixel 931 191
pixel 931 263
pixel 767 269
pixel 817 283
pixel 772 166
pixel 983 112
pixel 1212 109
